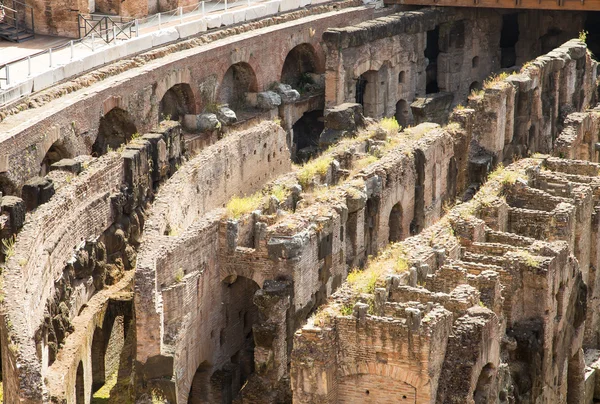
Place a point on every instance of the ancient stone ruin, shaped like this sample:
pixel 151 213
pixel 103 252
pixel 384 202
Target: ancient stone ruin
pixel 336 202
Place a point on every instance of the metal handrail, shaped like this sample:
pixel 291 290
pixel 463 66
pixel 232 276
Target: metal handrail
pixel 103 33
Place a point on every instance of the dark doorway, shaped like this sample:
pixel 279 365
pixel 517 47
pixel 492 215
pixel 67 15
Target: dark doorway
pixel 55 153
pixel 116 128
pixel 403 113
pixel 307 131
pixel 79 385
pixel 238 81
pixel 432 52
pixel 177 102
pixel 592 27
pixel 300 60
pixel 395 223
pixel 509 36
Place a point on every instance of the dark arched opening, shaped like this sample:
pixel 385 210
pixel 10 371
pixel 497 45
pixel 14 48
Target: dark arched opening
pixel 236 337
pixel 432 52
pixel 483 390
pixel 177 102
pixel 402 113
pixel 475 86
pixel 98 360
pixel 306 133
pixel 199 390
pixel 301 60
pixel 55 153
pixel 395 223
pixel 366 92
pixel 116 128
pixel 79 385
pixel 592 27
pixel 509 36
pixel 238 81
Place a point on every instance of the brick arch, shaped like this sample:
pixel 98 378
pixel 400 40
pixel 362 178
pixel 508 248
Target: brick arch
pixel 245 271
pixel 419 381
pixel 368 65
pixel 300 59
pixel 397 373
pixel 173 78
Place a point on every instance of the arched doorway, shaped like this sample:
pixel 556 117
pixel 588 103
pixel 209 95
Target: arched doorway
pixel 79 385
pixel 402 113
pixel 7 187
pixel 199 390
pixel 177 102
pixel 395 223
pixel 483 390
pixel 55 153
pixel 300 60
pixel 432 52
pixel 307 131
pixel 238 81
pixel 116 128
pixel 236 340
pixel 366 92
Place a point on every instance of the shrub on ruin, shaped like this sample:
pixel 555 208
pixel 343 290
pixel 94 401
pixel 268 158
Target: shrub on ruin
pixel 311 169
pixel 280 192
pixel 239 206
pixel 529 259
pixel 390 125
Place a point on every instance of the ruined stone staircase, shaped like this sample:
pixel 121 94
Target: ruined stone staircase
pixel 14 24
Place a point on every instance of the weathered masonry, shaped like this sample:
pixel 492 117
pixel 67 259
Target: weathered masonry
pixel 165 249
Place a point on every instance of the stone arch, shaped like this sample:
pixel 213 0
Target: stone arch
pixel 484 391
pixel 366 91
pixel 55 153
pixel 80 385
pixel 402 113
pixel 300 60
pixel 418 381
pixel 177 102
pixel 116 128
pixel 395 223
pixel 98 360
pixel 236 338
pixel 238 81
pixel 199 389
pixel 475 86
pixel 306 132
pixel 372 89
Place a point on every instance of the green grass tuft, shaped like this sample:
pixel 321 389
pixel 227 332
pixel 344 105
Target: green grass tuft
pixel 239 206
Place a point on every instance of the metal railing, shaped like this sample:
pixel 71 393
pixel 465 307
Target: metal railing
pixel 103 25
pixel 21 18
pixel 100 30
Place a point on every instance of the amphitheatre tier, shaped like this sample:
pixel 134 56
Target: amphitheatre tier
pixel 310 208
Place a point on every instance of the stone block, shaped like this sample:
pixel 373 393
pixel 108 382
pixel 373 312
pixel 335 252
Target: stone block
pixel 227 18
pixel 191 28
pixel 255 12
pixel 115 52
pixel 268 100
pixel 213 21
pixel 346 117
pixel 287 93
pixel 48 78
pixel 207 122
pixel 94 60
pixel 68 165
pixel 272 6
pixel 139 44
pixel 15 208
pixel 73 68
pixel 226 116
pixel 433 108
pixel 288 5
pixel 164 36
pixel 36 192
pixel 239 16
pixel 16 92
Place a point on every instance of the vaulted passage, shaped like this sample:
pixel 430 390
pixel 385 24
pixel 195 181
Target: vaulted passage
pixel 80 385
pixel 508 39
pixel 238 81
pixel 300 60
pixel 56 153
pixel 178 101
pixel 116 128
pixel 199 391
pixel 395 223
pixel 432 52
pixel 306 135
